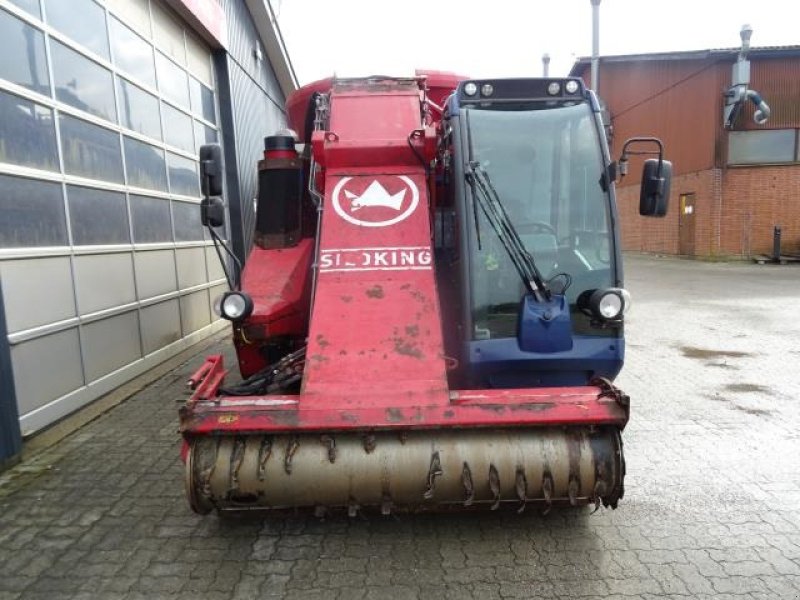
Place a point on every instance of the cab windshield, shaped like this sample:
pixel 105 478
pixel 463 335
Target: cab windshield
pixel 545 163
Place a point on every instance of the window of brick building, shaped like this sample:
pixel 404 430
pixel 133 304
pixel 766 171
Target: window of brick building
pixel 766 146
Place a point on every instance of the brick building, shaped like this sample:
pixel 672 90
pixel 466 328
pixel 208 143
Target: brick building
pixel 730 187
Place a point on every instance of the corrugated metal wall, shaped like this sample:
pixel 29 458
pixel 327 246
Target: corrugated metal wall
pixel 255 110
pixel 672 100
pixel 778 81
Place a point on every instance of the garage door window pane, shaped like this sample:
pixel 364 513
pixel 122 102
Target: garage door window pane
pixel 183 177
pixel 168 34
pixel 33 213
pixel 760 147
pixel 172 80
pixel 199 60
pixel 203 134
pixel 97 216
pixel 151 220
pixel 202 100
pixel 132 54
pixel 145 165
pixel 27 133
pixel 31 6
pixel 178 128
pixel 82 83
pixel 188 227
pixel 82 20
pixel 138 110
pixel 22 60
pixel 135 13
pixel 90 151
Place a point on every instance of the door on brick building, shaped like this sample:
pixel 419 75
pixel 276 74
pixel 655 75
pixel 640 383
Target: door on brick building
pixel 686 219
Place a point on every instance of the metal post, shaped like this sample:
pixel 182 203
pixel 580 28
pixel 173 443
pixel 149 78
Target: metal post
pixel 595 42
pixel 545 65
pixel 10 435
pixel 776 244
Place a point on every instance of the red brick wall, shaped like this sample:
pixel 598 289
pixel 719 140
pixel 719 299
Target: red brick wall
pixel 755 200
pixel 735 211
pixel 660 235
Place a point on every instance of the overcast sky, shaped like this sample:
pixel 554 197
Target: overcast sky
pixel 505 38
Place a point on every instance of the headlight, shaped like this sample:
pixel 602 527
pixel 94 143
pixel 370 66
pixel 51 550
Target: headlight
pixel 487 89
pixel 236 306
pixel 571 86
pixel 554 88
pixel 607 304
pixel 610 305
pixel 470 89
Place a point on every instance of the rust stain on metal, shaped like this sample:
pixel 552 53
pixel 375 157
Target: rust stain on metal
pixel 322 341
pixel 349 417
pixel 394 415
pixel 402 346
pixel 346 299
pixel 284 417
pixel 376 292
pixel 448 414
pixel 412 330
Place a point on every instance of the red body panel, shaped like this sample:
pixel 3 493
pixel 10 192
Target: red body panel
pixel 375 355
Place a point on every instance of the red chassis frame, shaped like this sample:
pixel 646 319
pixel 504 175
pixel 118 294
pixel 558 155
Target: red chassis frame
pixel 207 413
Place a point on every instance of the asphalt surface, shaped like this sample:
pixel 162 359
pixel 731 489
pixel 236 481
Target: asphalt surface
pixel 712 504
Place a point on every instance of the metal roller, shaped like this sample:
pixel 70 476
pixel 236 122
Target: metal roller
pixel 415 470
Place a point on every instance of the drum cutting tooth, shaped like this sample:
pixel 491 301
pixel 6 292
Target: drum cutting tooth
pixel 320 511
pixel 264 452
pixel 494 486
pixel 237 458
pixel 386 506
pixel 547 491
pixel 469 488
pixel 572 490
pixel 327 440
pixel 291 448
pixel 522 488
pixel 433 472
pixel 369 443
pixel 352 509
pixel 599 492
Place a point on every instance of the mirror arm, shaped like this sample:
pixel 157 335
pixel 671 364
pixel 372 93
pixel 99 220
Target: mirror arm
pixel 637 140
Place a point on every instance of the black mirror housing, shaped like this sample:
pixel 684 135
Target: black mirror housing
pixel 656 183
pixel 211 170
pixel 212 212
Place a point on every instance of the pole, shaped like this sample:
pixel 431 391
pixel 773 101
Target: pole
pixel 595 42
pixel 545 65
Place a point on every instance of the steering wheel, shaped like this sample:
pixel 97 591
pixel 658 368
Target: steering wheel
pixel 535 227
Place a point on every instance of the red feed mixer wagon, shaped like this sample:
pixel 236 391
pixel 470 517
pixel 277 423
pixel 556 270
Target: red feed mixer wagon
pixel 432 313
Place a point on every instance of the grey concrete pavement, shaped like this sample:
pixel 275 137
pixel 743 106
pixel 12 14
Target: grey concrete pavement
pixel 712 507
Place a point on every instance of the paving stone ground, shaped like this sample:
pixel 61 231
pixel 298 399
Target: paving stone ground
pixel 712 506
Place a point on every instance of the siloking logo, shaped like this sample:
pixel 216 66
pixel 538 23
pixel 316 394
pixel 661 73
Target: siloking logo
pixel 367 202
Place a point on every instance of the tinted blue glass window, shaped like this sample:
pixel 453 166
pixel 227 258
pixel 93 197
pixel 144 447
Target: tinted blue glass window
pixel 178 129
pixel 202 100
pixel 89 150
pixel 27 133
pixel 138 110
pixel 97 216
pixel 33 213
pixel 145 164
pixel 188 227
pixel 82 83
pixel 151 220
pixel 183 177
pixel 203 134
pixel 132 53
pixel 172 80
pixel 31 6
pixel 22 60
pixel 82 20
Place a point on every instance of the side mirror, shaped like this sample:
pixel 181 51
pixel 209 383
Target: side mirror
pixel 211 170
pixel 656 180
pixel 212 212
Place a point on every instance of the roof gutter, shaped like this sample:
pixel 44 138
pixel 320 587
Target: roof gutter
pixel 270 34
